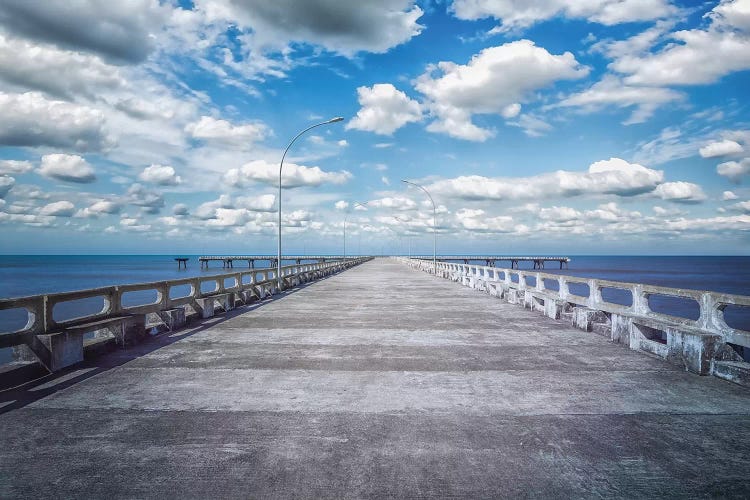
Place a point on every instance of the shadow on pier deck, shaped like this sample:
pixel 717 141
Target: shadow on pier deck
pixel 379 381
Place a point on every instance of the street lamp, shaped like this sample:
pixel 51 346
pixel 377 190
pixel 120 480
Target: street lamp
pixel 434 224
pixel 281 166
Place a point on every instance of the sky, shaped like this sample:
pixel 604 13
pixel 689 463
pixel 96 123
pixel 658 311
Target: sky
pixel 562 127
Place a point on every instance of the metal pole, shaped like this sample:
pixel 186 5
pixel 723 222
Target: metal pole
pixel 345 216
pixel 281 166
pixel 434 224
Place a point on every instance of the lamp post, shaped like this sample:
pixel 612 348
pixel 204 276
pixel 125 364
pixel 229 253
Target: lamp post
pixel 281 166
pixel 434 224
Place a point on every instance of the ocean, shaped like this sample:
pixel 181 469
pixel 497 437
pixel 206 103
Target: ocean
pixel 22 275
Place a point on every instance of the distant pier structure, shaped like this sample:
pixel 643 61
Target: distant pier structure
pixel 227 261
pixel 181 262
pixel 489 260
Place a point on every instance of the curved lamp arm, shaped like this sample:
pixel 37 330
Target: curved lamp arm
pixel 281 167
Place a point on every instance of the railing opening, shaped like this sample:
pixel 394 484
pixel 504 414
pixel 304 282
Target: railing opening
pixel 550 284
pixel 209 286
pixel 579 289
pixel 230 282
pixel 514 277
pixel 737 317
pixel 139 298
pixel 12 320
pixel 742 351
pixel 531 281
pixel 680 307
pixel 180 291
pixel 246 279
pixel 79 308
pixel 618 296
pixel 652 334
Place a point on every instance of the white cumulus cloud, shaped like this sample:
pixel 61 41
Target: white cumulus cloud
pixel 222 131
pixel 680 192
pixel 517 14
pixel 734 170
pixel 384 110
pixel 69 168
pixel 30 119
pixel 15 167
pixel 494 81
pixel 293 175
pixel 720 148
pixel 613 176
pixel 162 175
pixel 58 209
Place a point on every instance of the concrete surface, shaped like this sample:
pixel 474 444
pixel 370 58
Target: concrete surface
pixel 380 381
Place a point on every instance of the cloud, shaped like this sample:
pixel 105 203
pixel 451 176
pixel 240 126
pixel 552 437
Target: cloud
pixel 208 209
pixel 720 148
pixel 494 81
pixel 734 170
pixel 293 175
pixel 694 57
pixel 680 192
pixel 60 73
pixel 15 167
pixel 32 120
pixel 384 110
pixel 728 196
pixel 341 205
pixel 612 91
pixel 743 206
pixel 58 209
pixel 518 14
pixel 385 180
pixel 180 209
pixel 151 201
pixel 613 176
pixel 262 203
pixel 163 175
pixel 343 27
pixel 98 208
pixel 221 131
pixel 68 168
pixel 6 184
pixel 118 30
pixel 393 202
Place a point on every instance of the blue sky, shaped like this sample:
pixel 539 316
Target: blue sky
pixel 538 126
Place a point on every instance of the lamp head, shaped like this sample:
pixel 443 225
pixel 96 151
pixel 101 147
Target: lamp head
pixel 336 119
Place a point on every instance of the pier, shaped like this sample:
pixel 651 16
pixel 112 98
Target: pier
pixel 389 378
pixel 227 261
pixel 491 260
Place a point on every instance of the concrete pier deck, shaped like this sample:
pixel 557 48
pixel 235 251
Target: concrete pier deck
pixel 379 381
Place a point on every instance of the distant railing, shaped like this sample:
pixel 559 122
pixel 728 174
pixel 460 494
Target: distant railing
pixel 531 289
pixel 40 308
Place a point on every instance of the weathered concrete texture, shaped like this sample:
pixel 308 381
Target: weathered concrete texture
pixel 380 381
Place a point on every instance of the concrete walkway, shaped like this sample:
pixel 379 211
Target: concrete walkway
pixel 380 381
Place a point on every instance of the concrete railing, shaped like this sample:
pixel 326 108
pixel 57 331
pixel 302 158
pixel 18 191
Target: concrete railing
pixel 707 345
pixel 59 342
